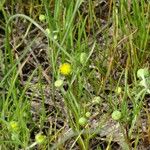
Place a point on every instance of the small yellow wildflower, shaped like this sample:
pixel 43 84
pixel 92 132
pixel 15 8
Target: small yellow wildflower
pixel 14 126
pixel 65 69
pixel 118 90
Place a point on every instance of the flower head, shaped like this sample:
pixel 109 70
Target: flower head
pixel 118 90
pixel 39 138
pixel 14 126
pixel 82 121
pixel 65 69
pixel 42 17
pixel 88 114
pixel 116 115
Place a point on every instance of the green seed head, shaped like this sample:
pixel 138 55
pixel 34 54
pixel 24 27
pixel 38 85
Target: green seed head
pixel 83 58
pixel 116 115
pixel 39 138
pixel 58 83
pixel 48 31
pixel 42 17
pixel 82 121
pixel 88 114
pixel 55 37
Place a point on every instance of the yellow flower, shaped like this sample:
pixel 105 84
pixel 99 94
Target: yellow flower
pixel 118 90
pixel 65 69
pixel 14 125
